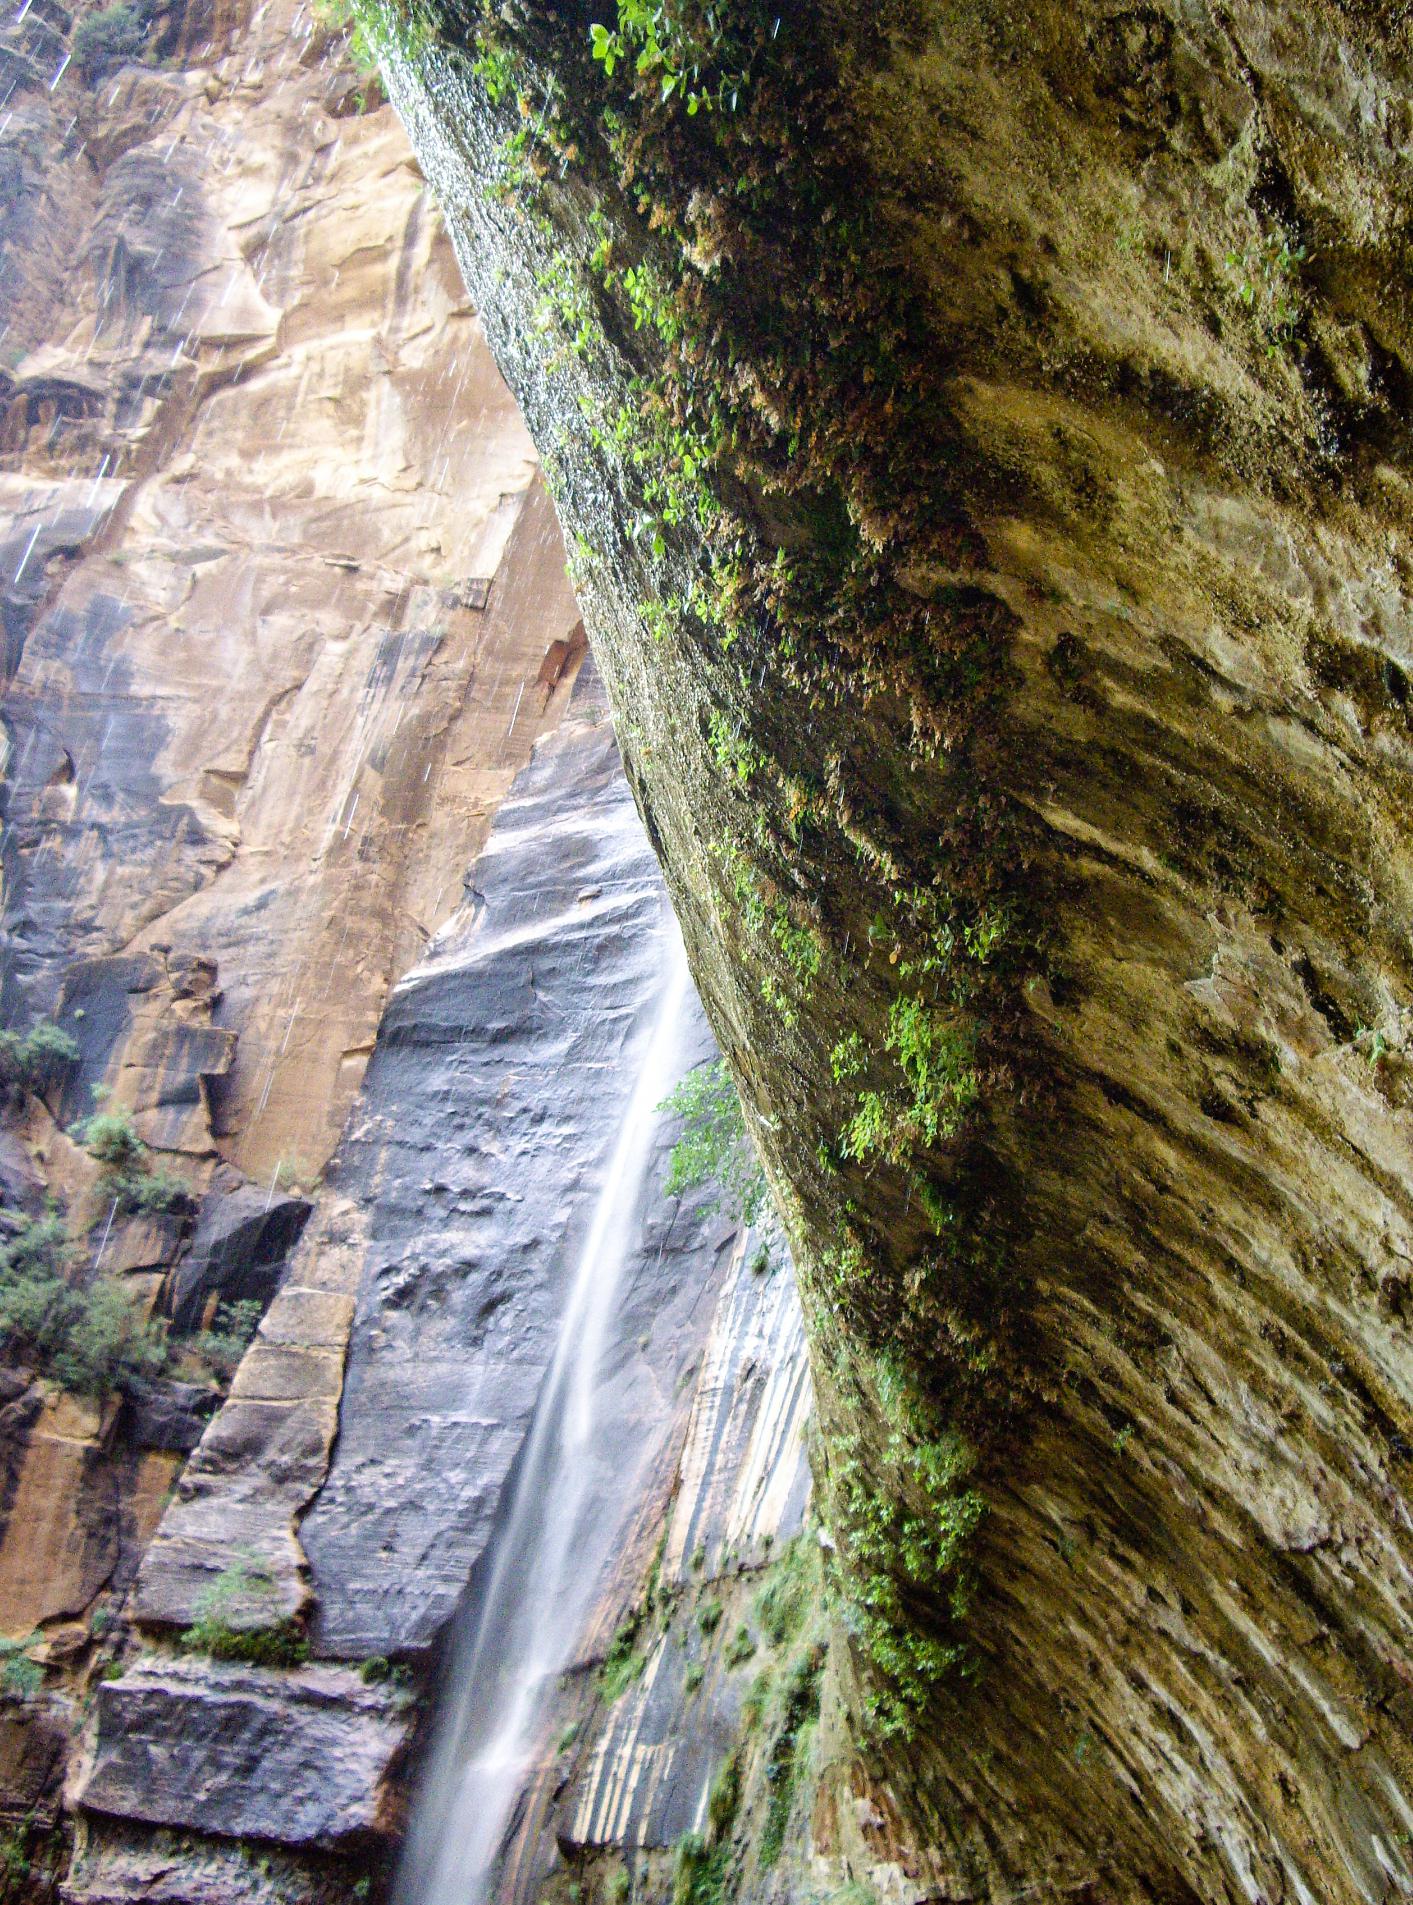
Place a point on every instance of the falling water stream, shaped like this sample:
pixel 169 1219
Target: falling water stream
pixel 548 1553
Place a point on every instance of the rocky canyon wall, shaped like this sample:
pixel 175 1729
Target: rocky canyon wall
pixel 284 611
pixel 982 436
pixel 286 616
pixel 260 475
pixel 356 1480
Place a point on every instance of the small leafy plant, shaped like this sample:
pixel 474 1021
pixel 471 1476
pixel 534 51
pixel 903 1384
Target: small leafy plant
pixel 230 1335
pixel 1267 275
pixel 377 29
pixel 624 1660
pixel 127 1173
pixel 914 1538
pixel 935 1052
pixel 714 1147
pixel 677 47
pixel 20 1677
pixel 740 1647
pixel 229 1623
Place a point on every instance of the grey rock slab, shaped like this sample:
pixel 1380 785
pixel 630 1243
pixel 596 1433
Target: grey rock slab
pixel 165 1415
pixel 743 1484
pixel 242 1242
pixel 642 1778
pixel 300 1755
pixel 267 1450
pixel 124 828
pixel 34 1739
pixel 117 1863
pixel 490 1107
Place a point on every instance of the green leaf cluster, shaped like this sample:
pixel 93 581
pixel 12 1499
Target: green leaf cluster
pixel 379 29
pixel 676 46
pixel 127 1173
pixel 20 1677
pixel 714 1147
pixel 1267 273
pixel 231 1333
pixel 90 1340
pixel 936 1054
pixel 903 1545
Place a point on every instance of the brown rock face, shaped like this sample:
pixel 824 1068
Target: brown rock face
pixel 1021 714
pixel 287 611
pixel 284 611
pixel 262 694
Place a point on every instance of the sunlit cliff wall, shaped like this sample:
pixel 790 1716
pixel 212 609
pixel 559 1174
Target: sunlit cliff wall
pixel 288 643
pixel 284 610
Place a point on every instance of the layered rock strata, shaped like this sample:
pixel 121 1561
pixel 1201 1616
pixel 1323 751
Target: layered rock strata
pixel 357 1477
pixel 260 684
pixel 982 433
pixel 284 609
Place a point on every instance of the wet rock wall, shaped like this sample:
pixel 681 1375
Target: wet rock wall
pixel 284 609
pixel 364 1456
pixel 1022 698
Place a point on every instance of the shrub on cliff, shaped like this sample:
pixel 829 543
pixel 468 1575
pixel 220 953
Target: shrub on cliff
pixel 238 1618
pixel 111 1141
pixel 20 1677
pixel 128 1174
pixel 229 1337
pixel 93 1339
pixel 89 1340
pixel 714 1147
pixel 36 1060
pixel 106 39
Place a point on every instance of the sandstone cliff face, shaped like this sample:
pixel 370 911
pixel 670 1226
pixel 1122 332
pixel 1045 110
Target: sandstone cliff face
pixel 265 471
pixel 982 435
pixel 358 1476
pixel 284 610
pixel 286 613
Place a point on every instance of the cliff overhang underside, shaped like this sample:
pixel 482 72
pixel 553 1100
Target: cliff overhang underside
pixel 981 440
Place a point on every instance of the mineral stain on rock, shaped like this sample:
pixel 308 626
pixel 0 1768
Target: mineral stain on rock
pixel 979 439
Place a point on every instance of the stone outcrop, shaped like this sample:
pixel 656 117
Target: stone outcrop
pixel 357 1474
pixel 244 1751
pixel 638 1781
pixel 284 609
pixel 982 432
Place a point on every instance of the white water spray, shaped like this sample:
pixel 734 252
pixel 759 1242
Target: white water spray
pixel 548 1553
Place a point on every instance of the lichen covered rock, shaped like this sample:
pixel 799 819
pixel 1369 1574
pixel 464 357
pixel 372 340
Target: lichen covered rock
pixel 979 436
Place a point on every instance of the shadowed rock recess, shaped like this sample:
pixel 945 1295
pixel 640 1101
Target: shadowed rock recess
pixel 981 437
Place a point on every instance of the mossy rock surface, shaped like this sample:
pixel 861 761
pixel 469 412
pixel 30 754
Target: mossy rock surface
pixel 980 437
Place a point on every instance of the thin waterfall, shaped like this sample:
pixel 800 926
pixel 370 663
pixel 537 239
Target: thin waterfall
pixel 549 1553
